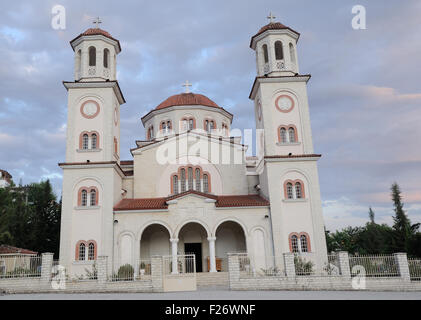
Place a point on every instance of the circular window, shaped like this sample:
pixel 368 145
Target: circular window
pixel 284 103
pixel 89 109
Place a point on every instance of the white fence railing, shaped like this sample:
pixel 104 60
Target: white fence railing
pixel 20 266
pixel 184 264
pixel 414 269
pixel 375 265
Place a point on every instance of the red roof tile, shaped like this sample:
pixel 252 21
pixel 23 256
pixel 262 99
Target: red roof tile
pixel 141 204
pixel 272 26
pixel 187 99
pixel 6 249
pixel 241 201
pixel 95 32
pixel 220 201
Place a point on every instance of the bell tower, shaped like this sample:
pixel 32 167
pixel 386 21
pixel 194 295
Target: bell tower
pixel 92 177
pixel 288 172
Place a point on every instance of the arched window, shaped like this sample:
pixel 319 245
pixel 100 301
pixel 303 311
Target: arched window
pixel 106 58
pixel 290 192
pixel 279 52
pixel 304 243
pixel 150 133
pixel 175 184
pixel 94 140
pixel 82 252
pixel 205 183
pixel 265 53
pixel 291 52
pixel 294 244
pixel 283 135
pixel 209 125
pixel 93 196
pixel 190 177
pixel 298 190
pixel 84 198
pixel 85 141
pixel 91 251
pixel 79 61
pixel 92 56
pixel 198 186
pixel 291 133
pixel 183 180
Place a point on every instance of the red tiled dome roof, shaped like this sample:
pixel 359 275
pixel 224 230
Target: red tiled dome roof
pixel 187 99
pixel 272 26
pixel 96 32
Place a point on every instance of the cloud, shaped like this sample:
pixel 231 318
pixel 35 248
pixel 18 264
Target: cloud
pixel 364 94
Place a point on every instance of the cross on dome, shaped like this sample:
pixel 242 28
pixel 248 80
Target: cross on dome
pixel 97 21
pixel 271 17
pixel 187 85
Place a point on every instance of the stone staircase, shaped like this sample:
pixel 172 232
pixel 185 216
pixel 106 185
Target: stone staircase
pixel 212 279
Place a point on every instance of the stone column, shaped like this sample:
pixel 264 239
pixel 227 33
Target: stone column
pixel 174 249
pixel 46 266
pixel 157 273
pixel 403 267
pixel 102 269
pixel 212 257
pixel 233 269
pixel 344 269
pixel 289 265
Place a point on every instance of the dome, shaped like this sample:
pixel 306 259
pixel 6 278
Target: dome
pixel 272 26
pixel 187 99
pixel 97 32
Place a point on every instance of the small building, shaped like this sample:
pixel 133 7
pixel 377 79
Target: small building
pixel 5 178
pixel 13 259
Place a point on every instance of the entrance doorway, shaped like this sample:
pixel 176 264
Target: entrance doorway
pixel 196 249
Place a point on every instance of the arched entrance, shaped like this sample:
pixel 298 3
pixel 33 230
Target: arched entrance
pixel 230 238
pixel 155 240
pixel 192 239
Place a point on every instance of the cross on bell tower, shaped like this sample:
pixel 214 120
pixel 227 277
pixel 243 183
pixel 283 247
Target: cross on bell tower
pixel 271 17
pixel 97 21
pixel 187 85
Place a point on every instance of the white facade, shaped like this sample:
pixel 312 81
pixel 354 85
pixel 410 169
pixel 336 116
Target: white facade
pixel 189 187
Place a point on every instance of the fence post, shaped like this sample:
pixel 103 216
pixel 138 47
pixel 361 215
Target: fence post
pixel 344 269
pixel 46 266
pixel 102 269
pixel 233 269
pixel 289 265
pixel 403 267
pixel 157 273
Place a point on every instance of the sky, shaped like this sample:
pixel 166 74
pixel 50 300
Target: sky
pixel 364 94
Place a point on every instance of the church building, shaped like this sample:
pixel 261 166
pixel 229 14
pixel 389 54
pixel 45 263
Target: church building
pixel 189 187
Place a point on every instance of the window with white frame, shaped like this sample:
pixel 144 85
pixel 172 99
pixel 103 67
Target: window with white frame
pixel 91 251
pixel 85 141
pixel 84 198
pixel 82 252
pixel 190 178
pixel 88 197
pixel 287 134
pixel 299 243
pixel 294 190
pixel 304 243
pixel 290 192
pixel 93 197
pixel 294 244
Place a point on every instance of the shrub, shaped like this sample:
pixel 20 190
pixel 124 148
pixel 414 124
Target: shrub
pixel 125 272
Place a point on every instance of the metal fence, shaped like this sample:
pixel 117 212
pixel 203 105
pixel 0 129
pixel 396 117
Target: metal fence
pixel 374 265
pixel 144 269
pixel 184 264
pixel 124 272
pixel 20 266
pixel 414 269
pixel 270 267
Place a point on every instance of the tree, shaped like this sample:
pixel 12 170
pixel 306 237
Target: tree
pixel 403 231
pixel 30 217
pixel 371 215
